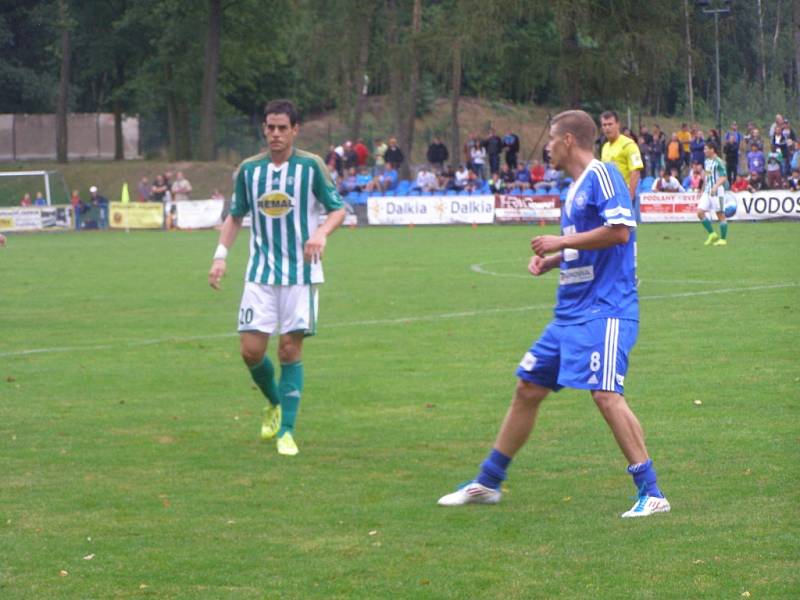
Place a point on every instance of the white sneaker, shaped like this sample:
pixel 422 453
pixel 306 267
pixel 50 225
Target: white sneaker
pixel 472 493
pixel 646 506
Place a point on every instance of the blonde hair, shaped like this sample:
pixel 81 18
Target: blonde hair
pixel 580 124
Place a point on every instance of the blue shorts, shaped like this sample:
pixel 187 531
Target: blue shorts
pixel 589 356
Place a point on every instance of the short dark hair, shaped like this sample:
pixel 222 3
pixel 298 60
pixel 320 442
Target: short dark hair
pixel 713 145
pixel 610 114
pixel 281 107
pixel 579 123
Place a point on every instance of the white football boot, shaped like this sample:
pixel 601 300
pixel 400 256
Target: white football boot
pixel 646 506
pixel 472 493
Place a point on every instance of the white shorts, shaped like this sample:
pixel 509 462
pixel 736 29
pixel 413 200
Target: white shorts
pixel 712 203
pixel 278 309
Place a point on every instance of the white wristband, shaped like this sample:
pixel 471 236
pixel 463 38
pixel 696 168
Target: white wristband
pixel 221 253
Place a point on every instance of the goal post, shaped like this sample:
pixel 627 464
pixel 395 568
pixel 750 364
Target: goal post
pixel 15 184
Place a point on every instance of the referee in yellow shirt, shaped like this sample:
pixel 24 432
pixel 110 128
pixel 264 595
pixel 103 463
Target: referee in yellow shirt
pixel 623 152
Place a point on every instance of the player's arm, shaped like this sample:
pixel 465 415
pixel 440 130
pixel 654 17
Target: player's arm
pixel 601 237
pixel 227 236
pixel 315 246
pixel 634 183
pixel 540 265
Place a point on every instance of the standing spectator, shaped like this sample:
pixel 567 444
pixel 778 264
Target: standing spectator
pixel 181 188
pixel 478 160
pixel 776 126
pixel 494 147
pixel 755 160
pixel 693 182
pixel 623 152
pixel 40 200
pixel 713 136
pixel 75 201
pixel 646 150
pixel 143 190
pixel 794 162
pixel 380 152
pixel 26 200
pixel 97 199
pixel 437 154
pixel 658 148
pixel 774 175
pixel 362 153
pixel 159 190
pixel 333 160
pixel 394 154
pixel 733 139
pixel 674 154
pixel 511 146
pixel 350 157
pixel 696 148
pixel 685 137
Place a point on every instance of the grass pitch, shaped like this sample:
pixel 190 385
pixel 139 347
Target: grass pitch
pixel 131 466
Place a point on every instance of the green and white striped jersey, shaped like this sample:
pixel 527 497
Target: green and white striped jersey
pixel 714 168
pixel 284 204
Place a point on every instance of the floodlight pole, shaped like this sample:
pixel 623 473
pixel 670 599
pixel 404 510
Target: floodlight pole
pixel 717 12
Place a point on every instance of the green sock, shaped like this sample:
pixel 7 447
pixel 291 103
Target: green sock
pixel 290 387
pixel 264 376
pixel 707 225
pixel 723 229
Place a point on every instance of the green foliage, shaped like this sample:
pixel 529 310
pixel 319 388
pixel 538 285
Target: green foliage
pixel 129 434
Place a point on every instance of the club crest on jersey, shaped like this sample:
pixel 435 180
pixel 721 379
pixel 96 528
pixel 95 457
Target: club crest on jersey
pixel 275 204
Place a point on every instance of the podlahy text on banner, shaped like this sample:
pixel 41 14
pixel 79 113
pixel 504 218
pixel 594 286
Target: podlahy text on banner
pixel 136 215
pixel 766 204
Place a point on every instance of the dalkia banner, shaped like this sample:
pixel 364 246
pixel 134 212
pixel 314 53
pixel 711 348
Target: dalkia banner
pixel 767 204
pixel 136 215
pixel 198 214
pixel 526 209
pixel 430 210
pixel 35 218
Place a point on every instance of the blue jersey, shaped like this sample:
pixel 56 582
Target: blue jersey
pixel 597 283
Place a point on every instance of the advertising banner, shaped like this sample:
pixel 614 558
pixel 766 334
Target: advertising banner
pixel 136 215
pixel 198 214
pixel 661 207
pixel 526 209
pixel 35 218
pixel 767 204
pixel 430 210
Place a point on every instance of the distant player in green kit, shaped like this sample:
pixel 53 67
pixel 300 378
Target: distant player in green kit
pixel 282 190
pixel 713 197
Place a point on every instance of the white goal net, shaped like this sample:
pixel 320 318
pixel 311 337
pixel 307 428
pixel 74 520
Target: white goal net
pixel 14 185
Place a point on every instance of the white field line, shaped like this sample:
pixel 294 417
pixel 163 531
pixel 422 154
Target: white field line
pixel 395 321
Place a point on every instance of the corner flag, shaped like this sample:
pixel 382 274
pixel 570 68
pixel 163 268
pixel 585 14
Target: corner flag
pixel 125 196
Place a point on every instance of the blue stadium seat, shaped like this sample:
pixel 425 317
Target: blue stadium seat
pixel 414 193
pixel 527 192
pixel 389 193
pixel 376 193
pixel 352 197
pixel 362 197
pixel 403 187
pixel 542 192
pixel 452 193
pixel 564 193
pixel 463 193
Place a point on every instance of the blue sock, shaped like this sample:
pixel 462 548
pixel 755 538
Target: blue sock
pixel 493 469
pixel 644 478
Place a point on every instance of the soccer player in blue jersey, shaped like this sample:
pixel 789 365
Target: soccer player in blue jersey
pixel 596 320
pixel 283 191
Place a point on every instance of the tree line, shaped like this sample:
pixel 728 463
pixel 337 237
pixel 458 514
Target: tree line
pixel 195 61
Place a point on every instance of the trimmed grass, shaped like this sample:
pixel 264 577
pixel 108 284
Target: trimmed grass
pixel 128 425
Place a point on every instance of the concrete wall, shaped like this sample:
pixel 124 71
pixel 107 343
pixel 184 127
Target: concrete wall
pixel 90 135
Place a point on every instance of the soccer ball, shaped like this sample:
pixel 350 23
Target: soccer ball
pixel 729 206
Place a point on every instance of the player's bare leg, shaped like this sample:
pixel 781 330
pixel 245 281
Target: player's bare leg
pixel 520 418
pixel 630 437
pixel 623 423
pixel 514 432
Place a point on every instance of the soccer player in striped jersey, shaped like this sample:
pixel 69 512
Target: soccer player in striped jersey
pixel 713 197
pixel 596 320
pixel 283 191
